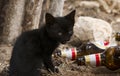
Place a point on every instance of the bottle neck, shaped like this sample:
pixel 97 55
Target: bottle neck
pixel 93 60
pixel 69 53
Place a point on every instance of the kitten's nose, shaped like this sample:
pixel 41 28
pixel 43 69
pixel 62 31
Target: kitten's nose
pixel 70 32
pixel 67 39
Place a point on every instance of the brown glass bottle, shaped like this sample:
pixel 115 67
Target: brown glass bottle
pixel 110 58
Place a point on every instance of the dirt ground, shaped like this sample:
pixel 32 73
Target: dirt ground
pixel 67 67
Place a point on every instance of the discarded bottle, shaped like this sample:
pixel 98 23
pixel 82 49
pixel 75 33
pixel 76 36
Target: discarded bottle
pixel 84 49
pixel 110 58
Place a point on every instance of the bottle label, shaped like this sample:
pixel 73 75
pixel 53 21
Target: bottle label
pixel 93 60
pixel 70 53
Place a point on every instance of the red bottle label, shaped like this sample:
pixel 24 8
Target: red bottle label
pixel 70 53
pixel 73 53
pixel 93 60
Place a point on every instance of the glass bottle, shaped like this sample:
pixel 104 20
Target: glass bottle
pixel 110 58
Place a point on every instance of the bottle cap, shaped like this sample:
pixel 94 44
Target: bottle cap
pixel 80 61
pixel 56 53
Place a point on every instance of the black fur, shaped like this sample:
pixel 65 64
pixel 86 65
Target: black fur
pixel 34 48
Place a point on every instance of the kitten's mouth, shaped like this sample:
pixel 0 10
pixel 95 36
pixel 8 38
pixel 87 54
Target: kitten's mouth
pixel 65 41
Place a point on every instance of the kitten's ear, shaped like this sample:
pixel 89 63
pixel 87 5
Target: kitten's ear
pixel 71 16
pixel 49 19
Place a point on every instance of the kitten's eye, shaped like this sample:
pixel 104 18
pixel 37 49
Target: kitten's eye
pixel 60 33
pixel 70 32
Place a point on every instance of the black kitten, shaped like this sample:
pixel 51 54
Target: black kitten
pixel 34 48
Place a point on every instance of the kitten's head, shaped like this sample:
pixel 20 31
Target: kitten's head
pixel 60 28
